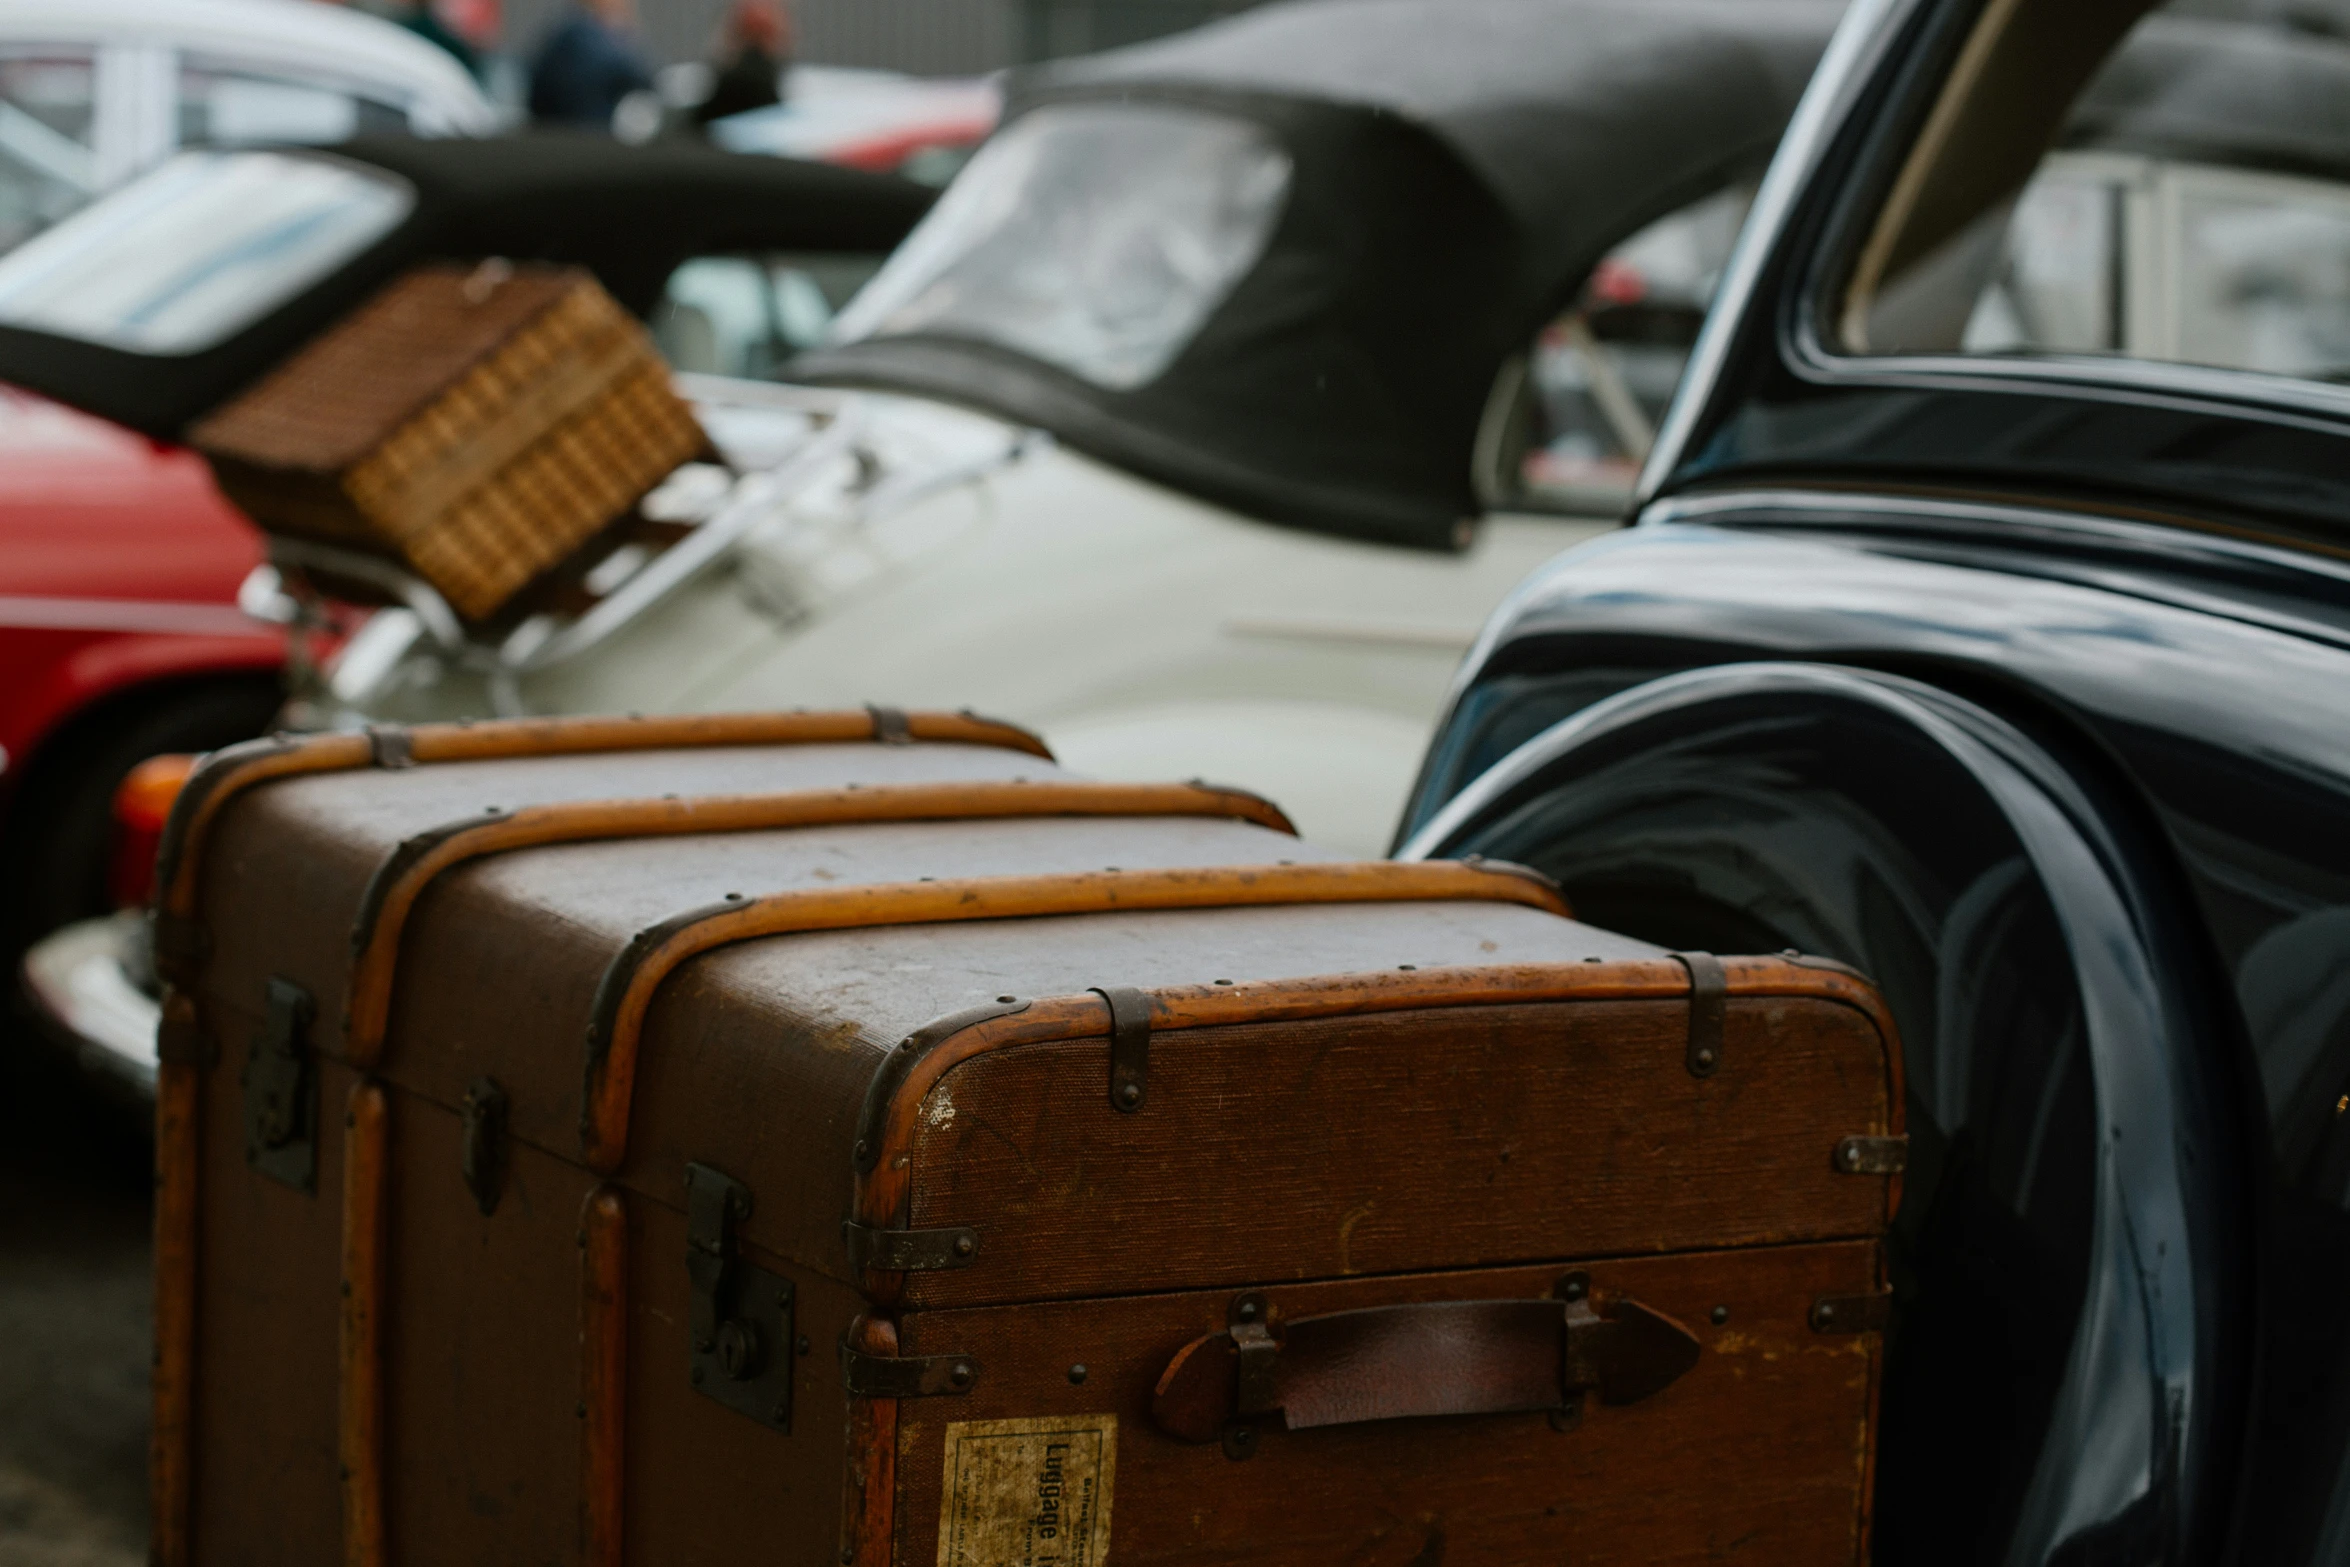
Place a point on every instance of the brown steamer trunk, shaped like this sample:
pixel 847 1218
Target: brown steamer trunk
pixel 828 1138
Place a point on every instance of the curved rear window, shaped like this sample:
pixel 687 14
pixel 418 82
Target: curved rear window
pixel 1097 238
pixel 178 261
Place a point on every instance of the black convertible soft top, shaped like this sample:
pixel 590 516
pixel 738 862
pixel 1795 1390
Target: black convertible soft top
pixel 628 214
pixel 1586 118
pixel 1457 170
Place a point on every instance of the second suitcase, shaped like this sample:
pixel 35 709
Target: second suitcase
pixel 847 1138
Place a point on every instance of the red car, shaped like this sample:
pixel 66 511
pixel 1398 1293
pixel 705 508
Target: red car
pixel 119 638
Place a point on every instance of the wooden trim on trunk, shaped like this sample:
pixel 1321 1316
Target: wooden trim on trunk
pixel 884 1183
pixel 180 952
pixel 229 772
pixel 217 780
pixel 170 1438
pixel 404 875
pixel 366 1211
pixel 627 990
pixel 869 1509
pixel 603 1374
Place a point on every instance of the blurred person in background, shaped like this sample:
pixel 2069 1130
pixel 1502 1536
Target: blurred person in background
pixel 587 65
pixel 479 26
pixel 753 54
pixel 426 21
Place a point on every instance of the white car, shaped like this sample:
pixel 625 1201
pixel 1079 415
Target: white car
pixel 95 92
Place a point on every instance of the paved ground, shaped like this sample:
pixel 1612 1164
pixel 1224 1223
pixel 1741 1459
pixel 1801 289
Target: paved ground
pixel 74 1342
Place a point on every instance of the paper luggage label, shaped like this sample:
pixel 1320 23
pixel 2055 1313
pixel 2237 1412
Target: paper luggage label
pixel 1027 1493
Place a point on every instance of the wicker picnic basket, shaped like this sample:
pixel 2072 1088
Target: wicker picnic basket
pixel 474 423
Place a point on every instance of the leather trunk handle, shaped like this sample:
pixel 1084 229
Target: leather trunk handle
pixel 1458 1357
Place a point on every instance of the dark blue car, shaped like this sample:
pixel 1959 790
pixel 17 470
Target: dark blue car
pixel 1984 622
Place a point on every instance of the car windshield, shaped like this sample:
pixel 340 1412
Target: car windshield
pixel 747 315
pixel 1097 238
pixel 2178 191
pixel 211 241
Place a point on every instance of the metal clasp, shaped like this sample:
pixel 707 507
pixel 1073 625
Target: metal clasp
pixel 1258 1354
pixel 909 1251
pixel 905 1376
pixel 281 1091
pixel 482 1160
pixel 740 1316
pixel 1708 989
pixel 1130 1046
pixel 1872 1155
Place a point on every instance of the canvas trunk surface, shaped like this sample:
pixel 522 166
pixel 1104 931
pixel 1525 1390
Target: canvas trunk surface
pixel 847 1138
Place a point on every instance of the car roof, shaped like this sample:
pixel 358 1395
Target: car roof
pixel 2213 90
pixel 1542 100
pixel 1456 172
pixel 306 38
pixel 628 214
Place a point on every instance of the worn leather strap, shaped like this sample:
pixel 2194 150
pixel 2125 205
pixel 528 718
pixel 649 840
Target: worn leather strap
pixel 1469 1357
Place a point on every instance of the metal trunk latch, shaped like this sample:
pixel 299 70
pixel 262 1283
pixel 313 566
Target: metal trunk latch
pixel 1709 987
pixel 906 1376
pixel 1872 1155
pixel 1852 1313
pixel 740 1320
pixel 281 1091
pixel 1130 1046
pixel 483 1160
pixel 909 1251
pixel 1256 1354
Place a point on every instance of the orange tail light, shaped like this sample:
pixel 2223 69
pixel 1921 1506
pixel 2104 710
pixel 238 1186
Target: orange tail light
pixel 141 803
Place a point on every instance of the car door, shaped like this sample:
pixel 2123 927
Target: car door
pixel 1987 626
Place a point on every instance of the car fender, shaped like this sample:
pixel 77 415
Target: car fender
pixel 1834 808
pixel 57 683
